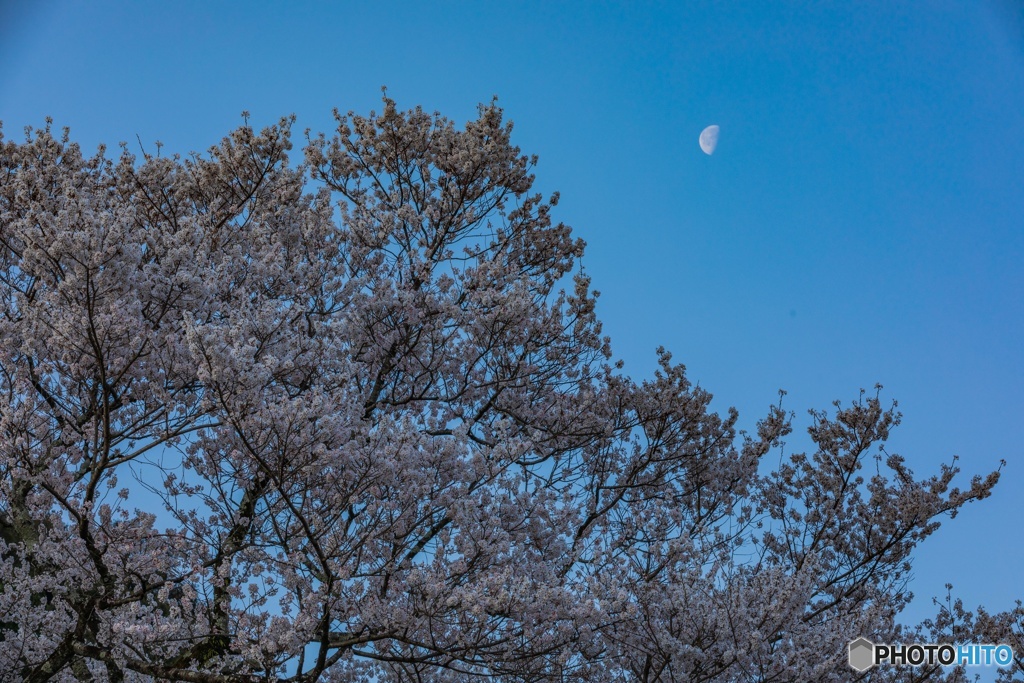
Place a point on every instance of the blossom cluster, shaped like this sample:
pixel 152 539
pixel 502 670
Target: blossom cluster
pixel 353 418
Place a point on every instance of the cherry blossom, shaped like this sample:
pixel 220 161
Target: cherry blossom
pixel 351 417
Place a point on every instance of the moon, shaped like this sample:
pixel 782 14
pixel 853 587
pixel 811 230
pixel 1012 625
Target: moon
pixel 709 139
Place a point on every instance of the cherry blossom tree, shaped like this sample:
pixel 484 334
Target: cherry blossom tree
pixel 353 419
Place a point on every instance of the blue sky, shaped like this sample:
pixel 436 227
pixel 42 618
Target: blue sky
pixel 861 221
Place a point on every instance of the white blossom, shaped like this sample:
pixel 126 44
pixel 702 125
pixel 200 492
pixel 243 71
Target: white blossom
pixel 389 446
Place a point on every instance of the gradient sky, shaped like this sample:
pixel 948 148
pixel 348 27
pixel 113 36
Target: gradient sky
pixel 861 221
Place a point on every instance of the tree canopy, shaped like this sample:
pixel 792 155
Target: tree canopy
pixel 353 419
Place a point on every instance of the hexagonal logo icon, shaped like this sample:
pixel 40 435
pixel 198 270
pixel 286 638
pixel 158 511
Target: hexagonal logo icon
pixel 862 653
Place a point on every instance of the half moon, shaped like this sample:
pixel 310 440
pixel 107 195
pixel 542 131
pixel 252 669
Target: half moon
pixel 709 139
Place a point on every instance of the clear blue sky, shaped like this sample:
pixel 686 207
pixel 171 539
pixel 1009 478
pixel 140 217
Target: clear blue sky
pixel 862 220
